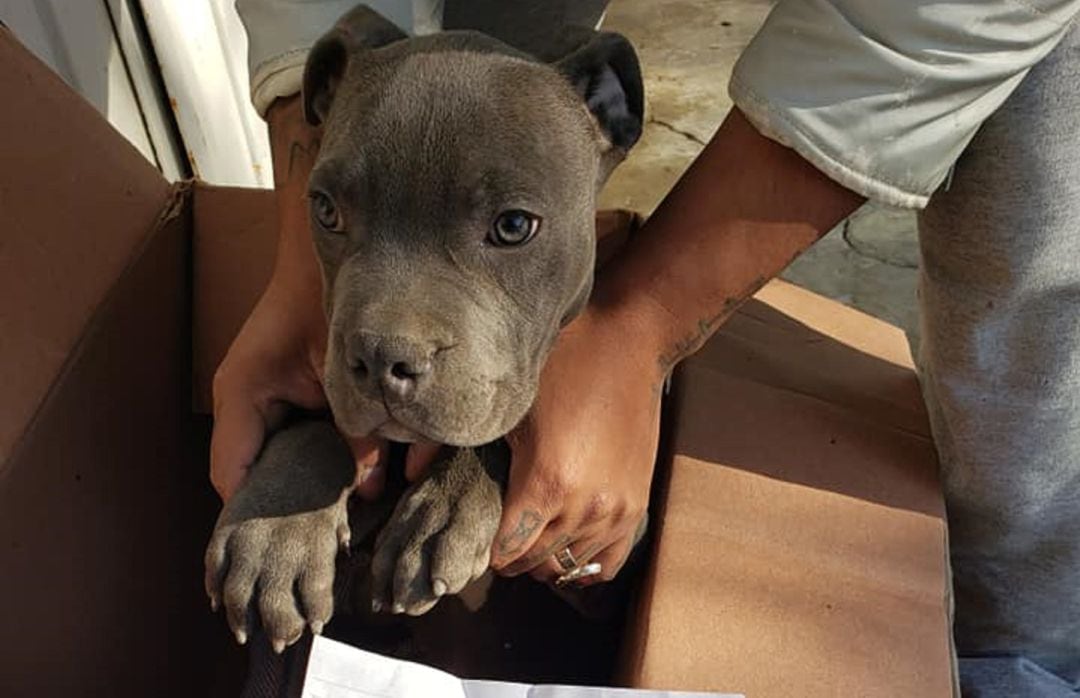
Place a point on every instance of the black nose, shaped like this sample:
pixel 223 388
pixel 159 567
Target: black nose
pixel 395 365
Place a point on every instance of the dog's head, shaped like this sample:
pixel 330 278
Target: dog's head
pixel 452 207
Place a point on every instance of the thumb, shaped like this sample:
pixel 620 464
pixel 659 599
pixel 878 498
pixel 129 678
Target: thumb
pixel 239 429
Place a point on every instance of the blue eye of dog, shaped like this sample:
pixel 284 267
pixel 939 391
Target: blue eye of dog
pixel 514 227
pixel 325 212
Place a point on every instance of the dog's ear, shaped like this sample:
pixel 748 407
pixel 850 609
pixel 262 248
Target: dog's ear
pixel 362 28
pixel 606 73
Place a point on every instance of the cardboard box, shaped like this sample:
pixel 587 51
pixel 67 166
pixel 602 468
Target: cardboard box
pixel 799 537
pixel 801 544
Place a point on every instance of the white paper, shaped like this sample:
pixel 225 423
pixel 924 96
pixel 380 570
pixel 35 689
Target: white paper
pixel 337 670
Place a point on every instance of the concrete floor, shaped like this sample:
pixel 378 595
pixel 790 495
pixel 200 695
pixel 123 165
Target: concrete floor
pixel 687 49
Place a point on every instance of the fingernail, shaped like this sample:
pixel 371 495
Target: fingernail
pixel 279 646
pixel 399 608
pixel 439 587
pixel 241 637
pixel 316 627
pixel 376 606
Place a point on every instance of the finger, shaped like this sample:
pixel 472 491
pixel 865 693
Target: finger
pixel 238 435
pixel 419 457
pixel 518 531
pixel 530 504
pixel 371 455
pixel 555 538
pixel 582 550
pixel 611 561
pixel 240 428
pixel 317 588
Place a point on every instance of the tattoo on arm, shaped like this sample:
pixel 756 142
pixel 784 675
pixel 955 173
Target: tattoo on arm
pixel 294 143
pixel 302 151
pixel 694 340
pixel 302 148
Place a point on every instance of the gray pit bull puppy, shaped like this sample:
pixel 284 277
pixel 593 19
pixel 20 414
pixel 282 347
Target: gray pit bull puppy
pixel 452 208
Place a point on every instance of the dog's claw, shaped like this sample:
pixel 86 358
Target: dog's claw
pixel 316 627
pixel 439 587
pixel 241 637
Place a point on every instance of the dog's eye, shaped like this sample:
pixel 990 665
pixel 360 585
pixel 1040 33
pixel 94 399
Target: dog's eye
pixel 514 228
pixel 325 212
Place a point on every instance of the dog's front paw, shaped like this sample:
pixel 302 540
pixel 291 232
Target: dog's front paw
pixel 275 542
pixel 281 567
pixel 287 562
pixel 438 538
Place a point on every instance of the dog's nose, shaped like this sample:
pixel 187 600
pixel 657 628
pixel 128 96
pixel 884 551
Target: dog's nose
pixel 395 364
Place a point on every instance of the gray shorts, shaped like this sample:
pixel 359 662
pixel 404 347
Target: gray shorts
pixel 1000 365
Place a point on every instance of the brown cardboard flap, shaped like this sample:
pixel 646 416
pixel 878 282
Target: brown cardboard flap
pixel 102 517
pixel 77 204
pixel 801 544
pixel 234 247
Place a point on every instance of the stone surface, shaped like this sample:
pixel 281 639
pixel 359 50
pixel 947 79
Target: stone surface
pixel 688 49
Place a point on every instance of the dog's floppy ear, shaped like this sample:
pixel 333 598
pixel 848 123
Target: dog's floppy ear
pixel 361 28
pixel 606 73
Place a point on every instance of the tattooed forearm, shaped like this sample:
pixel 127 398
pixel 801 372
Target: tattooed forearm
pixel 695 339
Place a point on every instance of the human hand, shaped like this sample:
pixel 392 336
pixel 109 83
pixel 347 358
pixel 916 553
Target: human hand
pixel 583 458
pixel 276 359
pixel 274 362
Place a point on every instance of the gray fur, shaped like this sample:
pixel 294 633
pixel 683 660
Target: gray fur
pixel 425 142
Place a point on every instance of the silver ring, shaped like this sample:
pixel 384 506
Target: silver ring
pixel 578 573
pixel 566 560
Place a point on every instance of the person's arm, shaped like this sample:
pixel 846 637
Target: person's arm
pixel 276 359
pixel 745 209
pixel 294 145
pixel 872 96
pixel 739 215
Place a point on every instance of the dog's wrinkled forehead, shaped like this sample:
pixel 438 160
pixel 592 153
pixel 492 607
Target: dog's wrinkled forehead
pixel 404 122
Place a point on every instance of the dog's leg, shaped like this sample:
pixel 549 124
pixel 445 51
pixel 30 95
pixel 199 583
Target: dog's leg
pixel 439 536
pixel 281 532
